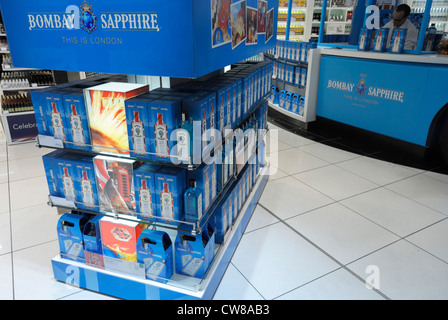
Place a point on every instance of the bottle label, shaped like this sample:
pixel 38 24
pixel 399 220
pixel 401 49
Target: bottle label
pixel 69 189
pixel 138 138
pixel 77 132
pixel 87 193
pixel 145 203
pixel 167 210
pixel 183 145
pixel 162 147
pixel 58 127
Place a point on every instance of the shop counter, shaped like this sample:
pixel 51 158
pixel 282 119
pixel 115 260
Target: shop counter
pixel 402 96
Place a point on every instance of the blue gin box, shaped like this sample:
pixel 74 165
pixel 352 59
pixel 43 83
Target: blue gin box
pixel 77 129
pixel 170 183
pixel 68 175
pixel 145 191
pixel 193 253
pixel 398 40
pixel 379 43
pixel 197 108
pixel 70 235
pixel 85 184
pixel 365 36
pixel 155 252
pixel 93 247
pixel 164 119
pixel 40 111
pixel 137 118
pixel 55 113
pixel 54 182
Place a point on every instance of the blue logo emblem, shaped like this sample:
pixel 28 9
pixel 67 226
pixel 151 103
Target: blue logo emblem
pixel 361 87
pixel 88 19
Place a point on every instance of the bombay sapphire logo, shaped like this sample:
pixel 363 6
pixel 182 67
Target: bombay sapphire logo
pixel 361 87
pixel 88 18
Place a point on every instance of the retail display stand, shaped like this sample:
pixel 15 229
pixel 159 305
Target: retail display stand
pixel 148 43
pixel 295 79
pixel 180 287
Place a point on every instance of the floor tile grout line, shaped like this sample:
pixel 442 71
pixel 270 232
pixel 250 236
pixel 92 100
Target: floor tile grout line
pixel 247 280
pixel 373 189
pixel 326 253
pixel 413 200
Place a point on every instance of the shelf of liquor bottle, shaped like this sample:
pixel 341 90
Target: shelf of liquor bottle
pixel 194 227
pixel 127 286
pixel 286 112
pixel 2 34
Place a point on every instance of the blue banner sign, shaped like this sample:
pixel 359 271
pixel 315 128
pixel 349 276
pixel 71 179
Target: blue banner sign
pixel 176 38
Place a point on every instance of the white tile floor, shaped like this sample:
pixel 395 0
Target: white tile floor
pixel 328 222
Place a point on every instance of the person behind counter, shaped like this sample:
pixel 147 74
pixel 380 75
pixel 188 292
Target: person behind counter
pixel 400 20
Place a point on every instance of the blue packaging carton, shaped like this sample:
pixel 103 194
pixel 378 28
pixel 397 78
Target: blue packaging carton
pixel 51 171
pixel 93 248
pixel 379 43
pixel 197 107
pixel 221 96
pixel 39 105
pixel 55 113
pixel 70 235
pixel 164 118
pixel 364 42
pixel 155 251
pixel 193 253
pixel 77 129
pixel 170 186
pixel 145 191
pixel 398 40
pixel 85 184
pixel 68 176
pixel 137 118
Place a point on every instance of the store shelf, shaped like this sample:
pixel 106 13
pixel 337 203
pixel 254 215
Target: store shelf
pixel 51 142
pixel 290 114
pixel 5 68
pixel 178 287
pixel 24 89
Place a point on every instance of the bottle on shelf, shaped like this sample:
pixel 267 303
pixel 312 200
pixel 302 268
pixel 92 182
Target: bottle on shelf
pixel 184 136
pixel 17 103
pixel 193 202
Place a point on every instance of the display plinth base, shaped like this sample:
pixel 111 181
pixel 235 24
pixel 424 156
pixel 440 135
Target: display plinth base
pixel 131 288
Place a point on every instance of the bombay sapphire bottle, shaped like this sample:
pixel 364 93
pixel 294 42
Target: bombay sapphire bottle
pixel 193 202
pixel 184 135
